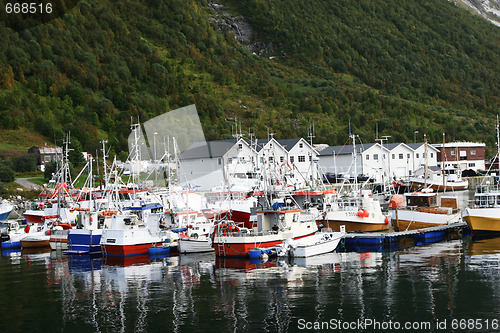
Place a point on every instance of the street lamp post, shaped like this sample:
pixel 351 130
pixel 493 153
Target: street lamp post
pixel 415 137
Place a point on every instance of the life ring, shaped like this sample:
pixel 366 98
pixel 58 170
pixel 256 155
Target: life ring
pixel 195 235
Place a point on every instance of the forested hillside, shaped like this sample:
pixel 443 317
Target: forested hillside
pixel 408 65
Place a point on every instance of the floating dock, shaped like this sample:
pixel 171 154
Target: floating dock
pixel 403 238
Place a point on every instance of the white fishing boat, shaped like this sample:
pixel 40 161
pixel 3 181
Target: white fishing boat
pixel 194 244
pixel 134 232
pixel 418 210
pixel 322 242
pixel 358 213
pixel 196 239
pixel 274 225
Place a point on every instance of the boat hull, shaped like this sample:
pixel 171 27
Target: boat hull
pixel 412 219
pixel 127 250
pixel 84 241
pixel 191 245
pixel 352 226
pixel 34 243
pixel 34 216
pixel 59 240
pixel 318 247
pixel 483 220
pixel 240 246
pixel 418 184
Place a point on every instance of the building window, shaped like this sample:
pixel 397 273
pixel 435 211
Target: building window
pixel 302 158
pixel 271 159
pixel 400 156
pixel 291 159
pixel 453 153
pixel 375 157
pixel 472 165
pixel 432 155
pixel 367 157
pixel 393 156
pixel 240 146
pixel 282 159
pixel 417 155
pixel 220 160
pixel 310 158
pixel 301 145
pixel 473 152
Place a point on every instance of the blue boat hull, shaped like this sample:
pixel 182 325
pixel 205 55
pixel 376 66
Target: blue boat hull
pixel 88 242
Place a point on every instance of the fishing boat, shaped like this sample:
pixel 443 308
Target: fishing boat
pixel 483 214
pixel 358 213
pixel 419 210
pixel 12 233
pixel 320 243
pixel 196 239
pixel 283 220
pixel 38 237
pixel 447 180
pixel 5 209
pixel 135 231
pixel 59 236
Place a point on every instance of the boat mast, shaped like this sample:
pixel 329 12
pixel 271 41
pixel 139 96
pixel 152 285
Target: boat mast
pixel 426 171
pixel 104 159
pixel 442 165
pixel 355 162
pixel 498 145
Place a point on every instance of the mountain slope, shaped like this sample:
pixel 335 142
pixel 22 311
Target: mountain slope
pixel 489 9
pixel 403 67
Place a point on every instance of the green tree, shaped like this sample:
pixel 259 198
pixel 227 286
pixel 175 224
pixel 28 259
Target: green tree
pixel 50 168
pixel 26 162
pixel 6 174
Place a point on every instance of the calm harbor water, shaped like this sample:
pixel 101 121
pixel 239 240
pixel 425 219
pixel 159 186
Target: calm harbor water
pixel 447 286
pixel 450 282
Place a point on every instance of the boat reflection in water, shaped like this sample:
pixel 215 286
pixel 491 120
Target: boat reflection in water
pixel 188 293
pixel 484 252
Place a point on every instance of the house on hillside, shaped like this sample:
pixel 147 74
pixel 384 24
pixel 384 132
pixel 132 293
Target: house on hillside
pixel 46 154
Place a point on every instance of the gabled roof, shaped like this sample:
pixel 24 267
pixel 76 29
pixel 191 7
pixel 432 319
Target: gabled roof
pixel 417 145
pixel 391 146
pixel 210 149
pixel 262 142
pixel 288 143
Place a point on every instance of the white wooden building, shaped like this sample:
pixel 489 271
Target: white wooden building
pixel 400 160
pixel 303 160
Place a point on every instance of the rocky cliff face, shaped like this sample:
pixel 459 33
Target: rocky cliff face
pixel 489 9
pixel 240 27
